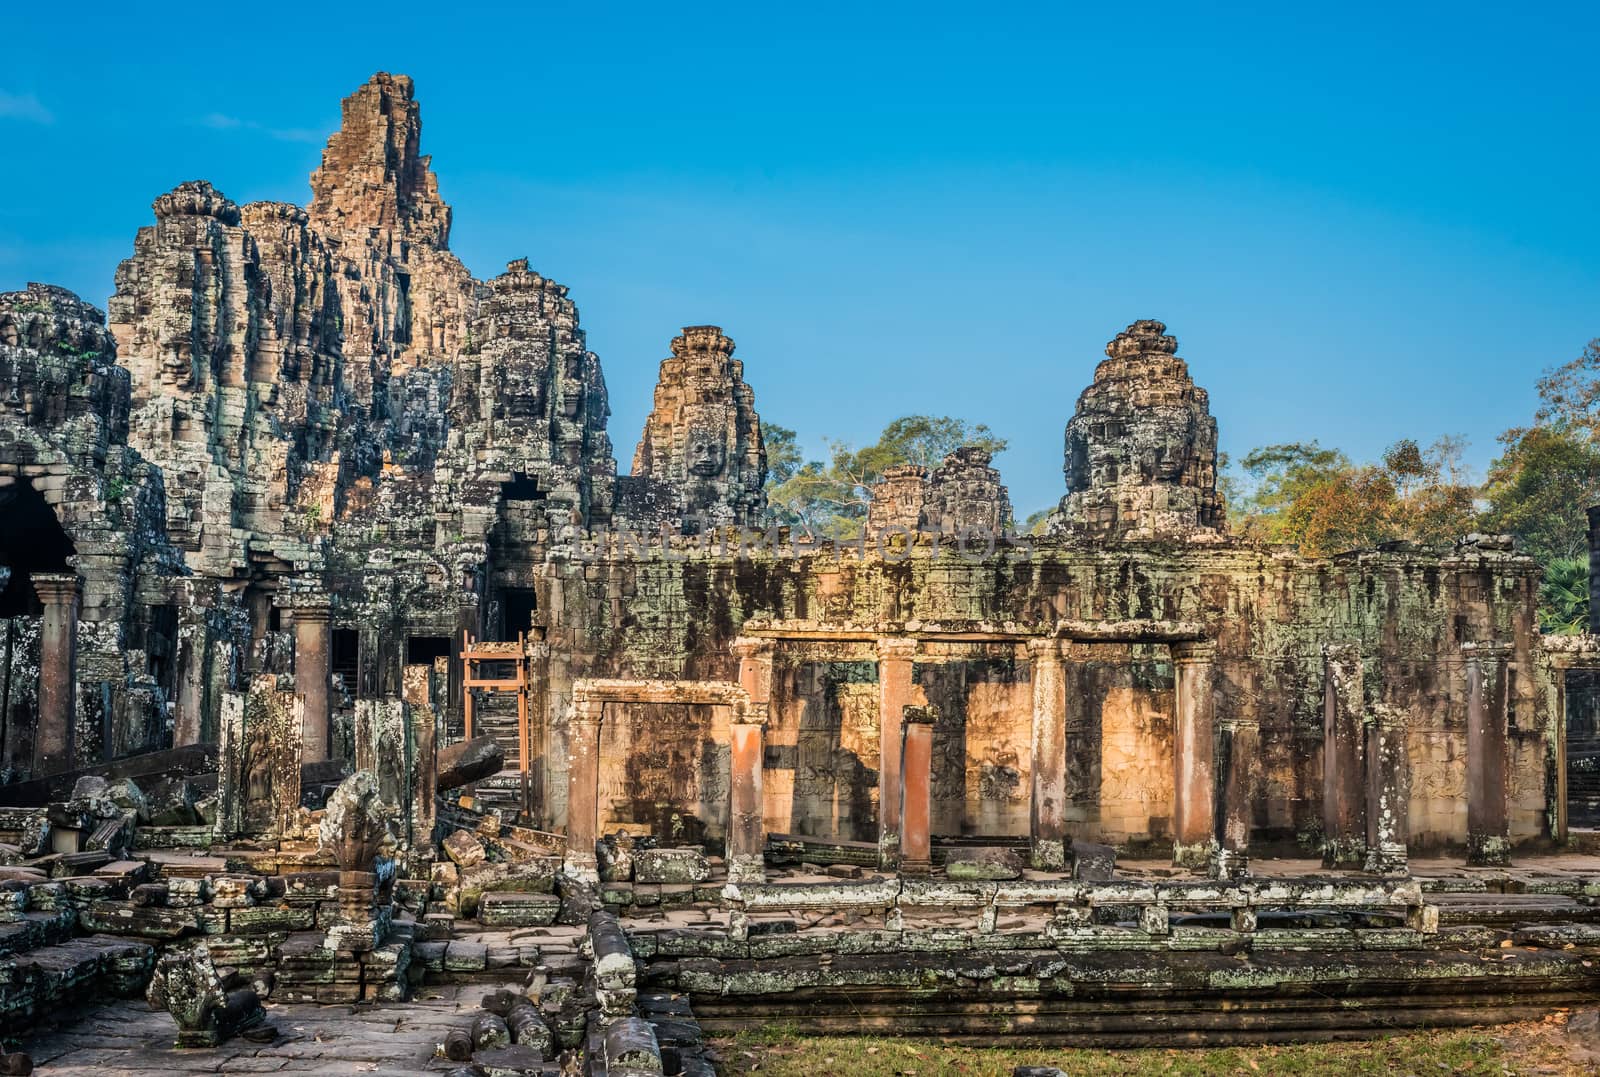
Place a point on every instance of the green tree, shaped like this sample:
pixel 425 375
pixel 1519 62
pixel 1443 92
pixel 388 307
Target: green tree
pixel 1564 596
pixel 1539 487
pixel 830 498
pixel 1548 473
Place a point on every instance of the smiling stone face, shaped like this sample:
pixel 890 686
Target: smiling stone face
pixel 706 451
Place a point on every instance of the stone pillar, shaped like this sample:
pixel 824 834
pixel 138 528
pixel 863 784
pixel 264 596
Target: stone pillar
pixel 1238 746
pixel 1488 813
pixel 58 671
pixel 895 689
pixel 583 787
pixel 312 644
pixel 1344 786
pixel 1388 790
pixel 195 599
pixel 747 833
pixel 1194 743
pixel 1048 760
pixel 916 791
pixel 1557 667
pixel 422 758
pixel 1594 569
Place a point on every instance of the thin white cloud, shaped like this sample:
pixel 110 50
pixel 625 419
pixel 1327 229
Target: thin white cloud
pixel 24 107
pixel 219 121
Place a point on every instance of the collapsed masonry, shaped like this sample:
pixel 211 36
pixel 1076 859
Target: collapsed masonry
pixel 251 528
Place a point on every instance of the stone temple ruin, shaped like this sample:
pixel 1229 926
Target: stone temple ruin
pixel 339 661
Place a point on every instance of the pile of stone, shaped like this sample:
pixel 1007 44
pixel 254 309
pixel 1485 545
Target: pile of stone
pixel 509 1034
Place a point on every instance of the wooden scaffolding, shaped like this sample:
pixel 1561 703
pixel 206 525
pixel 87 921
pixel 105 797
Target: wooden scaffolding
pixel 475 654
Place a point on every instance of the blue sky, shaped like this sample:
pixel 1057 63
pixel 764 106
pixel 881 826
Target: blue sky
pixel 1361 223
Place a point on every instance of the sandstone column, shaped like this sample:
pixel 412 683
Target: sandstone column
pixel 1194 735
pixel 58 672
pixel 1344 793
pixel 916 791
pixel 312 644
pixel 195 599
pixel 1488 815
pixel 1048 760
pixel 1388 790
pixel 1238 743
pixel 422 763
pixel 894 695
pixel 747 834
pixel 583 787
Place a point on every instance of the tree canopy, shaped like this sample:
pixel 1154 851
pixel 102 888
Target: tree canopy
pixel 830 497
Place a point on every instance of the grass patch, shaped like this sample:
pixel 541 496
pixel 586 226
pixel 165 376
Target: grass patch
pixel 782 1053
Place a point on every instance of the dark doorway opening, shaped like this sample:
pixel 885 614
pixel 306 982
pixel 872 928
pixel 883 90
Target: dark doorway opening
pixel 1583 749
pixel 517 607
pixel 31 540
pixel 345 658
pixel 521 488
pixel 422 650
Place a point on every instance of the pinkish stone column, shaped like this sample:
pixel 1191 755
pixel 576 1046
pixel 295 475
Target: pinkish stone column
pixel 1488 814
pixel 1344 786
pixel 895 688
pixel 58 672
pixel 916 786
pixel 1194 743
pixel 1048 760
pixel 312 676
pixel 583 787
pixel 747 834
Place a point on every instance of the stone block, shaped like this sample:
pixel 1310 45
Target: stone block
pixel 464 848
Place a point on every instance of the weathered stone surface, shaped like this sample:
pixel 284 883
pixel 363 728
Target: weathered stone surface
pixel 670 866
pixel 356 827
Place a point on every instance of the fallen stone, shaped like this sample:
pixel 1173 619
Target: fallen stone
pixel 468 762
pixel 464 848
pixel 844 871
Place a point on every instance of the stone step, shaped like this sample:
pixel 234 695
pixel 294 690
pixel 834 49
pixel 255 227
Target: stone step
pixel 67 973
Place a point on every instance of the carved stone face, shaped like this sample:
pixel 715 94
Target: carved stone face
pixel 706 452
pixel 1171 448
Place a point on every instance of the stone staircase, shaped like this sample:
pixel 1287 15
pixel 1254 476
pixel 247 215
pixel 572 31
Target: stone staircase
pixel 44 968
pixel 496 715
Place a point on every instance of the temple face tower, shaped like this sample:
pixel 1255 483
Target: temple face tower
pixel 1141 449
pixel 701 449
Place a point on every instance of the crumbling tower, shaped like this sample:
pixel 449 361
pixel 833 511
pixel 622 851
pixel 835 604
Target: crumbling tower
pixel 702 440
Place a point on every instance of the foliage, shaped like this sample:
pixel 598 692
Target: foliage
pixel 830 497
pixel 1317 499
pixel 1564 597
